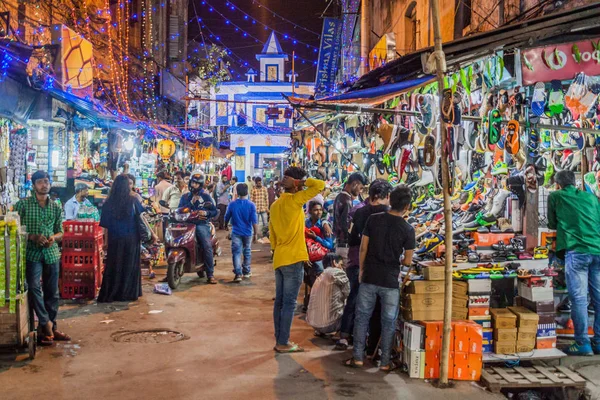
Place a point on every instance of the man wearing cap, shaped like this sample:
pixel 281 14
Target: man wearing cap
pixel 80 198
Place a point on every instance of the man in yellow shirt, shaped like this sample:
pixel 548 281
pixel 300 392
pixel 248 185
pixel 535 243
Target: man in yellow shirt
pixel 286 229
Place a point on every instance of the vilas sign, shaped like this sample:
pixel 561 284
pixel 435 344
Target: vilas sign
pixel 562 62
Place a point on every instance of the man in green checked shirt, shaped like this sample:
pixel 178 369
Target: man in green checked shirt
pixel 42 218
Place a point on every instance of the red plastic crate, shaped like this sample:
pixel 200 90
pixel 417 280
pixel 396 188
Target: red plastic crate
pixel 81 229
pixel 73 259
pixel 81 275
pixel 75 291
pixel 82 244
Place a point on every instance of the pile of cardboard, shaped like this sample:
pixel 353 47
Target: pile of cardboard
pixel 537 295
pixel 505 331
pixel 423 301
pixel 460 299
pixel 527 324
pixel 465 361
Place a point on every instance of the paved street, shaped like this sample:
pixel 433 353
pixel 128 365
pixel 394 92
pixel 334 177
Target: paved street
pixel 228 353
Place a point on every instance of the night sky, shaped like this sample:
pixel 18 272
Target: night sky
pixel 217 30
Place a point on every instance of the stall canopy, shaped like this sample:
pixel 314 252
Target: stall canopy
pixel 258 130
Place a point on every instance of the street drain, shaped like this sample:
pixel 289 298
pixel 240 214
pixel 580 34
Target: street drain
pixel 149 336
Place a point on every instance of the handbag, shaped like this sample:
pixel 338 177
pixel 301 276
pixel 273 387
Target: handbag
pixel 316 251
pixel 143 228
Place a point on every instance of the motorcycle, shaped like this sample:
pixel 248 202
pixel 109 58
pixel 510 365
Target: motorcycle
pixel 150 252
pixel 184 254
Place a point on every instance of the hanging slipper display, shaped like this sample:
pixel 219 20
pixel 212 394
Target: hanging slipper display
pixel 538 101
pixel 495 126
pixel 512 143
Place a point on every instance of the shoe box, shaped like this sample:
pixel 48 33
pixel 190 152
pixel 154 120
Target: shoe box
pixel 460 300
pixel 534 293
pixel 415 362
pixel 486 240
pixel 536 306
pixel 413 336
pixel 434 273
pixel 503 318
pixel 423 301
pixel 505 330
pixel 479 286
pixel 526 319
pixel 542 343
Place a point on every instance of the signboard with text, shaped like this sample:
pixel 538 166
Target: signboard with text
pixel 562 61
pixel 329 57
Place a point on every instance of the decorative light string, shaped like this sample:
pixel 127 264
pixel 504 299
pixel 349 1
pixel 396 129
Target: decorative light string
pixel 260 5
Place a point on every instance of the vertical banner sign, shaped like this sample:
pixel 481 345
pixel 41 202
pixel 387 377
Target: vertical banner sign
pixel 329 56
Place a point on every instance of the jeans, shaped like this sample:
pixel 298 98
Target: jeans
pixel 42 283
pixel 239 245
pixel 365 303
pixel 262 218
pixel 348 316
pixel 288 280
pixel 582 272
pixel 222 210
pixel 318 267
pixel 205 240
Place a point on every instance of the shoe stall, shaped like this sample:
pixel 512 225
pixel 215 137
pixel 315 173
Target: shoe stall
pixel 518 105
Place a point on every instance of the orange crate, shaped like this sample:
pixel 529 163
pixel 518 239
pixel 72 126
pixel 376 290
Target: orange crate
pixel 479 311
pixel 545 342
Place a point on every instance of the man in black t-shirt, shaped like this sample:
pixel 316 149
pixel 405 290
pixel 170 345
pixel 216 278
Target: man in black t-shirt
pixel 341 207
pixel 379 200
pixel 387 242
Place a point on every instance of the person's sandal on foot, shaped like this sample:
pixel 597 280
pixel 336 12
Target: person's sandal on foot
pixel 211 280
pixel 289 348
pixel 44 337
pixel 341 344
pixel 58 335
pixel 352 363
pixel 388 368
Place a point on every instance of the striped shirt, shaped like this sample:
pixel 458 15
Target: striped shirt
pixel 327 298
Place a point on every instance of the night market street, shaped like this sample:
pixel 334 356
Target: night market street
pixel 229 353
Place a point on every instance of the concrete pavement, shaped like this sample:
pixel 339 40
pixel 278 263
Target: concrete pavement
pixel 227 353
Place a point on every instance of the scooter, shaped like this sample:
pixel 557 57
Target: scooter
pixel 182 248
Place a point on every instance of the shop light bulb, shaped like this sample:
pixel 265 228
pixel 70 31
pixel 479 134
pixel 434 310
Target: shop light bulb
pixel 40 133
pixel 55 156
pixel 180 155
pixel 128 144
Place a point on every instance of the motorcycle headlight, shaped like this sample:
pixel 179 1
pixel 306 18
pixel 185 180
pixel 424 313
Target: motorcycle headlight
pixel 182 217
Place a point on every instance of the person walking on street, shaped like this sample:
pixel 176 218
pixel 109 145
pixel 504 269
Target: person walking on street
pixel 43 221
pixel 260 198
pixel 575 214
pixel 272 192
pixel 327 297
pixel 173 194
pixel 378 202
pixel 387 242
pixel 80 198
pixel 341 208
pixel 242 214
pixel 162 184
pixel 199 200
pixel 223 200
pixel 286 229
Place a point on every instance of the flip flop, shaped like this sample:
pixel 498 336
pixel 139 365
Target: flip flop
pixel 447 106
pixel 495 127
pixel 556 99
pixel 294 349
pixel 523 273
pixel 577 90
pixel 512 143
pixel 538 101
pixel 429 151
pixel 352 363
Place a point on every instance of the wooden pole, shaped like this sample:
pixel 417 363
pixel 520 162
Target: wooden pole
pixel 437 38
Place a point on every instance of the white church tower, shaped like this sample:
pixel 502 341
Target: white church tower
pixel 272 61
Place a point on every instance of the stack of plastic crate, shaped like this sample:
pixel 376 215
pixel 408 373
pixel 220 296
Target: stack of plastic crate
pixel 82 260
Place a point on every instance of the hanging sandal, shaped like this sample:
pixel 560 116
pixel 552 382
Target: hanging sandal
pixel 523 273
pixel 495 121
pixel 512 145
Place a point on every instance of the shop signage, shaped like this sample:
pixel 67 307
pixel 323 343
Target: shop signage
pixel 562 61
pixel 329 56
pixel 166 148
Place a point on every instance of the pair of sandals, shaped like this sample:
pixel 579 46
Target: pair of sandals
pixel 48 340
pixel 353 363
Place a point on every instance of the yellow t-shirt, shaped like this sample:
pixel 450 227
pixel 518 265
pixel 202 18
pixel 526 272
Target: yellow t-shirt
pixel 286 226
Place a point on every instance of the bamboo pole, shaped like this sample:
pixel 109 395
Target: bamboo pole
pixel 437 37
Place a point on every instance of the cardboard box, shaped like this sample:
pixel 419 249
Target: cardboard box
pixel 433 335
pixel 485 322
pixel 545 343
pixel 488 333
pixel 503 318
pixel 505 335
pixel 547 318
pixel 488 239
pixel 479 286
pixel 424 287
pixel 434 273
pixel 478 311
pixel 422 315
pixel 459 298
pixel 538 306
pixel 414 335
pixel 479 301
pixel 432 364
pixel 538 281
pixel 526 335
pixel 423 301
pixel 475 367
pixel 525 318
pixel 461 365
pixel 525 346
pixel 488 348
pixel 460 287
pixel 459 313
pixel 546 330
pixel 509 347
pixel 461 337
pixel 416 363
pixel 535 294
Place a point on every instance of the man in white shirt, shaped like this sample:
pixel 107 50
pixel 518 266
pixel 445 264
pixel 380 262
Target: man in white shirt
pixel 173 194
pixel 162 179
pixel 80 198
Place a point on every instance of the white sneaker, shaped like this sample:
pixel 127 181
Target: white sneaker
pixel 248 275
pixel 426 179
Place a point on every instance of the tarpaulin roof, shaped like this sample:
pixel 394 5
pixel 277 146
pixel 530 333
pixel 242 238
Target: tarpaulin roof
pixel 369 96
pixel 258 130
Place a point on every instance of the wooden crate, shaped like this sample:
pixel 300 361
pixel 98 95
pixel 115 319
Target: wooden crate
pixel 14 328
pixel 496 378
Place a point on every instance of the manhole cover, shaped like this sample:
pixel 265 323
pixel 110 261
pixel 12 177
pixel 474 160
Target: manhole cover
pixel 149 336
